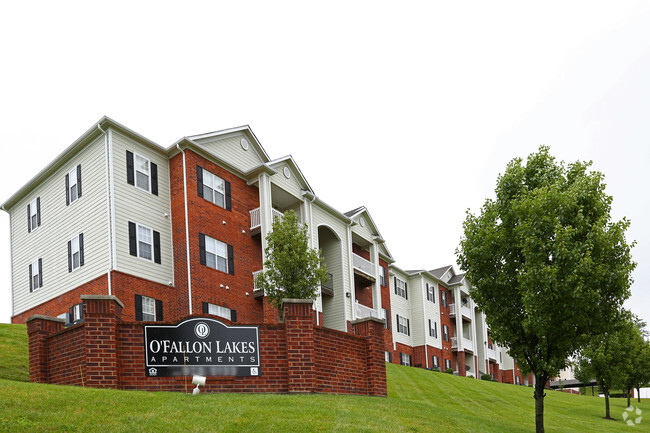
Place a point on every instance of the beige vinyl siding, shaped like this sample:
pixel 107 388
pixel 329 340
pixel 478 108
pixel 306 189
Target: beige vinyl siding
pixel 334 308
pixel 365 231
pixel 291 185
pixel 402 307
pixel 432 311
pixel 59 223
pixel 138 206
pixel 229 150
pixel 508 362
pixel 416 295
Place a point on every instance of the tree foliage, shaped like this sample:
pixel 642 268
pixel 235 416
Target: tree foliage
pixel 547 264
pixel 292 269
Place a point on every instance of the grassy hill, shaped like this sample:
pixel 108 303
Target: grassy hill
pixel 418 400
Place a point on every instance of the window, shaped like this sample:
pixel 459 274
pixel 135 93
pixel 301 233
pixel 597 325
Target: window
pixel 401 288
pixel 218 310
pixel 447 363
pixel 436 361
pixel 431 294
pixel 73 185
pixel 76 252
pixel 445 333
pixel 213 188
pixel 433 328
pixel 517 380
pixel 36 275
pixel 386 318
pixel 34 214
pixel 144 242
pixel 443 298
pixel 148 309
pixel 383 276
pixel 75 314
pixel 141 172
pixel 216 254
pixel 405 359
pixel 403 325
pixel 388 357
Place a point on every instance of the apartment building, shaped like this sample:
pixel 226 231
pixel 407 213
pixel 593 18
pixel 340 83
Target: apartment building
pixel 179 230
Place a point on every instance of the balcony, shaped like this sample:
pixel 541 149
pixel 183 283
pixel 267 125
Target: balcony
pixel 256 218
pixel 327 288
pixel 465 311
pixel 452 310
pixel 257 291
pixel 491 354
pixel 363 312
pixel 364 270
pixel 467 344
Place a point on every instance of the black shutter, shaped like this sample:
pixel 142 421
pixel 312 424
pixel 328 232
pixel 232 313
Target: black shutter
pixel 133 240
pixel 202 248
pixel 71 315
pixel 395 281
pixel 410 361
pixel 427 286
pixel 387 319
pixel 67 189
pixel 159 311
pixel 205 308
pixel 406 289
pixel 233 315
pixel 130 172
pixel 69 256
pixel 138 308
pixel 31 280
pixel 81 249
pixel 433 294
pixel 38 211
pixel 397 320
pixel 228 197
pixel 199 181
pixel 79 180
pixel 154 179
pixel 29 219
pixel 390 357
pixel 408 327
pixel 430 331
pixel 231 260
pixel 156 247
pixel 40 272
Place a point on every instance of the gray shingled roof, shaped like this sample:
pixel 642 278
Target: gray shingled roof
pixel 438 273
pixel 352 212
pixel 456 278
pixel 414 271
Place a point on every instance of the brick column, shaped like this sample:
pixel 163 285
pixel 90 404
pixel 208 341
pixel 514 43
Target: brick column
pixel 460 361
pixel 299 324
pixel 101 315
pixel 38 329
pixel 373 330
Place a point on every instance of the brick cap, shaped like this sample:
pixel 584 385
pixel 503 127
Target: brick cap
pixel 42 317
pixel 368 319
pixel 102 298
pixel 297 301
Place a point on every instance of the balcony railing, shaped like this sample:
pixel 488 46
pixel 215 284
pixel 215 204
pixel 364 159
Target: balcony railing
pixel 466 311
pixel 256 217
pixel 363 265
pixel 452 310
pixel 363 312
pixel 255 274
pixel 492 354
pixel 467 343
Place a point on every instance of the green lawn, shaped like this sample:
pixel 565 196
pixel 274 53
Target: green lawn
pixel 418 400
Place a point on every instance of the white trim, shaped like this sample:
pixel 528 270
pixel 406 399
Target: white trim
pixel 71 240
pixel 137 241
pixel 187 232
pixel 135 172
pixel 109 199
pixel 353 312
pixel 424 319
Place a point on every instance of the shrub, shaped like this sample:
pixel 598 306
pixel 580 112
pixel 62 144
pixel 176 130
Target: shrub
pixel 486 377
pixel 449 371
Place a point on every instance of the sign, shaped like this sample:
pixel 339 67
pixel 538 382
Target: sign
pixel 201 346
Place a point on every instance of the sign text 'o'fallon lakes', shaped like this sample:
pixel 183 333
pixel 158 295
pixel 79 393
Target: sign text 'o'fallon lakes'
pixel 202 346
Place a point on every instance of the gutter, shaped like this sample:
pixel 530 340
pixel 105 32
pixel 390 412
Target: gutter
pixel 11 261
pixel 187 230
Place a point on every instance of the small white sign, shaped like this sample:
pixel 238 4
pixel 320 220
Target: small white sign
pixel 254 371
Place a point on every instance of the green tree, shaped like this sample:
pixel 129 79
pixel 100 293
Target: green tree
pixel 292 269
pixel 639 354
pixel 546 263
pixel 607 359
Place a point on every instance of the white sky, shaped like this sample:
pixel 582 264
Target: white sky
pixel 411 109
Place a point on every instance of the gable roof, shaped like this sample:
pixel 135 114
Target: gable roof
pixel 290 161
pixel 457 279
pixel 355 213
pixel 440 272
pixel 244 128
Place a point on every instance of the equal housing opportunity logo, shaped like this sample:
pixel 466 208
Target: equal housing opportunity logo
pixel 632 415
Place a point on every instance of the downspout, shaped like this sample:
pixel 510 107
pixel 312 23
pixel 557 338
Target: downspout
pixel 424 319
pixel 11 261
pixel 187 231
pixel 311 240
pixel 351 264
pixel 108 210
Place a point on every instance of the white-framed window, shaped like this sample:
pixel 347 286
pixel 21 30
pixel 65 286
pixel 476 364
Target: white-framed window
pixel 403 325
pixel 76 313
pixel 73 185
pixel 433 328
pixel 388 357
pixel 436 361
pixel 218 310
pixel 447 363
pixel 400 288
pixel 34 209
pixel 35 275
pixel 386 318
pixel 405 359
pixel 148 309
pixel 445 333
pixel 145 242
pixel 214 189
pixel 443 298
pixel 517 380
pixel 383 276
pixel 142 167
pixel 75 253
pixel 216 254
pixel 431 293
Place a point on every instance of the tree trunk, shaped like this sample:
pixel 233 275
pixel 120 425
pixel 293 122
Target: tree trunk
pixel 638 394
pixel 628 391
pixel 606 392
pixel 540 383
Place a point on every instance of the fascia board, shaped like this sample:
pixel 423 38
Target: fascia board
pixel 224 132
pixel 311 197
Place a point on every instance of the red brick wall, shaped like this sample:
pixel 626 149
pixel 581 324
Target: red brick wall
pixel 62 303
pixel 296 356
pixel 125 287
pixel 385 303
pixel 402 348
pixel 362 294
pixel 445 319
pixel 209 285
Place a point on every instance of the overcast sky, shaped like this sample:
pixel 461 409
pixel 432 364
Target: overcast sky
pixel 411 109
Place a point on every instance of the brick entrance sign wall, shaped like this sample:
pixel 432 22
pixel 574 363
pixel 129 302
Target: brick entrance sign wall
pixel 296 356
